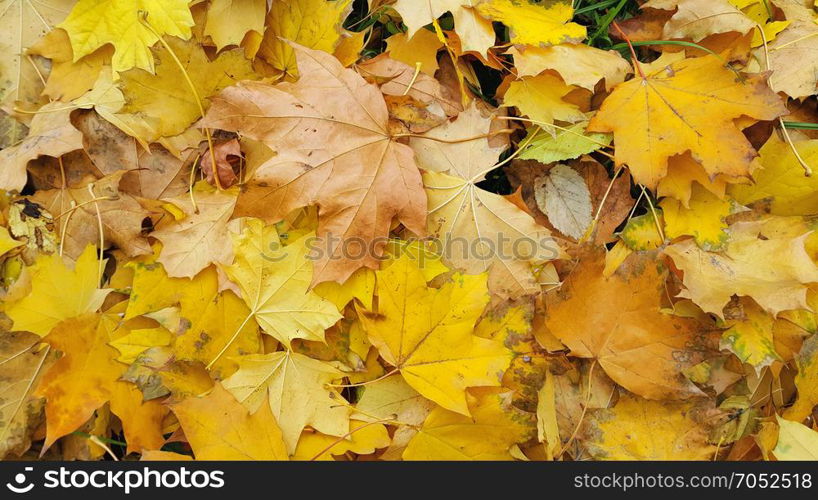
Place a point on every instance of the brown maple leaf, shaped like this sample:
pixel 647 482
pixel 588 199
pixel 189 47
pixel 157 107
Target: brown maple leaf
pixel 82 209
pixel 330 130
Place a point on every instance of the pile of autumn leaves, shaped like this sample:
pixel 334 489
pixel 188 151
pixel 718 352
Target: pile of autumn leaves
pixel 223 153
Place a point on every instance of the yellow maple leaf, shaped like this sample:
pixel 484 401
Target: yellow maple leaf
pixel 578 64
pixel 131 26
pixel 392 397
pixel 639 429
pixel 703 218
pixel 361 286
pixel 228 21
pixel 750 333
pixel 86 377
pixel 315 24
pixel 68 79
pixel 420 49
pixel 432 342
pixel 22 23
pixel 293 386
pixel 683 173
pixel 806 381
pixel 795 441
pixel 348 50
pixel 710 279
pixel 152 289
pixel 364 440
pixel 216 333
pixel 534 24
pixel 134 343
pixel 58 293
pixel 275 284
pixel 689 105
pixel 164 101
pixel 494 427
pixel 781 184
pixel 219 428
pixel 541 99
pixel 475 32
pixel 158 372
pixel 7 243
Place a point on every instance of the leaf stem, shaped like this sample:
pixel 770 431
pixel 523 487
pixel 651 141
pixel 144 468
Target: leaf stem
pixel 787 138
pixel 342 438
pixel 636 62
pixel 414 78
pixel 143 18
pixel 101 232
pixel 385 375
pixel 455 141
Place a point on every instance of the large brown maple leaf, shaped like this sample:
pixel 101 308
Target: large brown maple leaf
pixel 335 151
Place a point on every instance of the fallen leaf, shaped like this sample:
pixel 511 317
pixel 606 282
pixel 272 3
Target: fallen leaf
pixel 432 344
pixel 275 284
pixel 164 100
pixel 86 377
pixel 22 24
pixel 68 79
pixel 534 24
pixel 293 387
pixel 710 279
pixel 201 237
pixel 446 435
pixel 790 57
pixel 364 439
pixel 750 334
pixel 314 24
pixel 781 182
pixel 23 360
pixel 541 98
pixel 698 19
pixel 58 293
pixel 619 322
pixel 219 428
pixel 225 154
pixel 228 21
pixel 132 28
pixel 577 64
pixel 805 382
pixel 83 209
pixel 567 144
pixel 704 218
pixel 216 332
pixel 795 442
pixel 508 239
pixel 639 429
pixel 360 181
pixel 689 106
pixel 683 172
pixel 420 50
pixel 51 133
pixel 563 196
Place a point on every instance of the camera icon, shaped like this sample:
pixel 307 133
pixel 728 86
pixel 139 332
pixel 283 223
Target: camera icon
pixel 20 485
